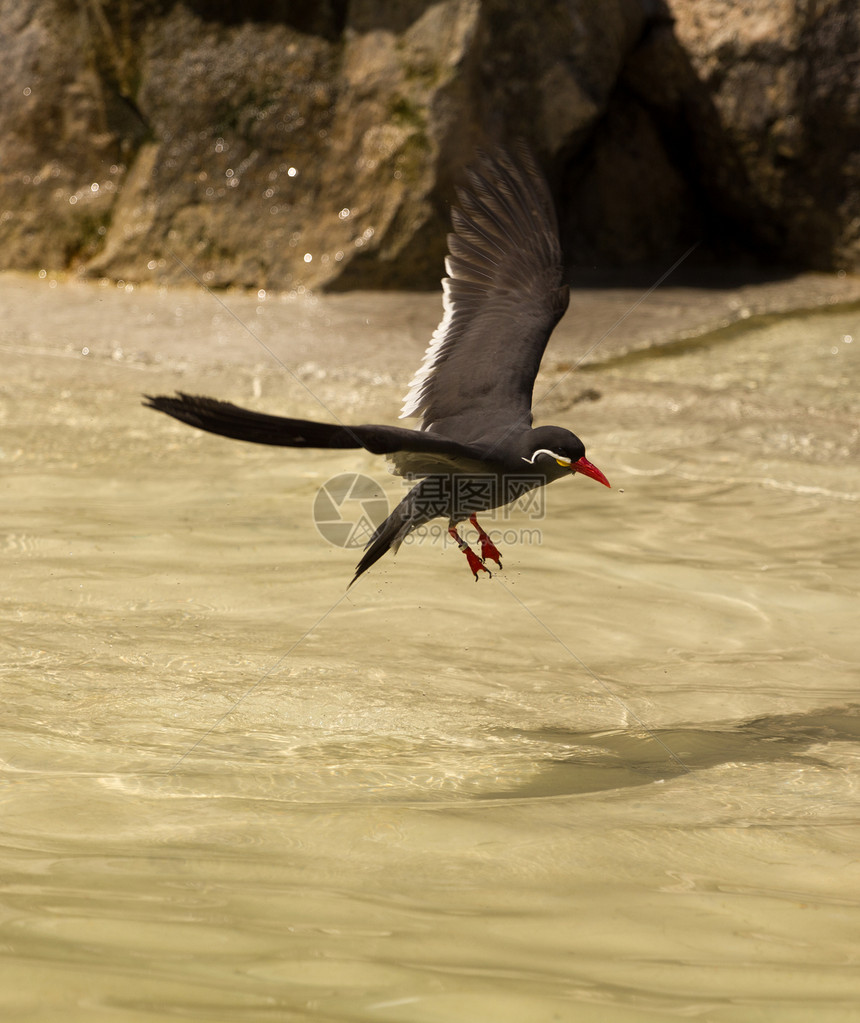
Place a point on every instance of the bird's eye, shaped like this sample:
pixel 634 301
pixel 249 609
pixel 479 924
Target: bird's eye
pixel 564 462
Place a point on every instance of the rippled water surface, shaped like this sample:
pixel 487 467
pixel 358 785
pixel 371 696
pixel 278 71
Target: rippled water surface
pixel 617 781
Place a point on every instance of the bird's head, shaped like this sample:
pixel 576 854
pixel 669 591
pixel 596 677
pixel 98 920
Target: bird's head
pixel 553 444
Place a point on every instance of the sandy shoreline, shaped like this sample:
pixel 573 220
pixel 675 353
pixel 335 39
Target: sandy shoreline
pixel 379 333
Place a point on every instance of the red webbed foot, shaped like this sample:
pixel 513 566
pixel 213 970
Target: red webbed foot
pixel 488 548
pixel 476 564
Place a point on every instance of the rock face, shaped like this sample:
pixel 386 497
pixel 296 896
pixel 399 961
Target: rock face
pixel 768 92
pixel 306 144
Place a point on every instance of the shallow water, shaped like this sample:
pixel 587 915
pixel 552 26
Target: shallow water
pixel 617 781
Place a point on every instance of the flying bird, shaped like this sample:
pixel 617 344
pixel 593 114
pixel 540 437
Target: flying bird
pixel 475 448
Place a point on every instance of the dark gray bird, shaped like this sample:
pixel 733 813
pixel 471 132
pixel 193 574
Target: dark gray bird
pixel 475 448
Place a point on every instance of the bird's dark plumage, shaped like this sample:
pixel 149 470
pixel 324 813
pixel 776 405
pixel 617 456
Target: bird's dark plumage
pixel 503 297
pixel 229 420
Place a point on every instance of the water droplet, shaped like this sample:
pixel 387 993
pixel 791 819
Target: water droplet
pixel 308 257
pixel 291 172
pixel 344 213
pixel 261 294
pixel 94 187
pixel 27 90
pixel 85 351
pixel 72 200
pixel 847 339
pixel 152 264
pixel 43 274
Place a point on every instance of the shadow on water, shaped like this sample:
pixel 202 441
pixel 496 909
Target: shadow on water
pixel 611 760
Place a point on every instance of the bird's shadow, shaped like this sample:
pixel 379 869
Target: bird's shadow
pixel 622 759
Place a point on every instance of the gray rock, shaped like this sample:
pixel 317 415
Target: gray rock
pixel 767 93
pixel 310 144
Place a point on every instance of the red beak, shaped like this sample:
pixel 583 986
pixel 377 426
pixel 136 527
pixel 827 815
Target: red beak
pixel 587 469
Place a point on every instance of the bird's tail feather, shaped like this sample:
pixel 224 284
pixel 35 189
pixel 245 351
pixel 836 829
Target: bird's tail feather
pixel 408 515
pixel 229 420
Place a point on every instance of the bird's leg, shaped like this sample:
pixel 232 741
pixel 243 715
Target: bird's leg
pixel 488 548
pixel 475 563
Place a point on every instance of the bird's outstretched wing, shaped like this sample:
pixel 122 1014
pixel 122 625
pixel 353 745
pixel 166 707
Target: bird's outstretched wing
pixel 502 298
pixel 228 420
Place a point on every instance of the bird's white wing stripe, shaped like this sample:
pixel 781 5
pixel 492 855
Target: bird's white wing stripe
pixel 415 395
